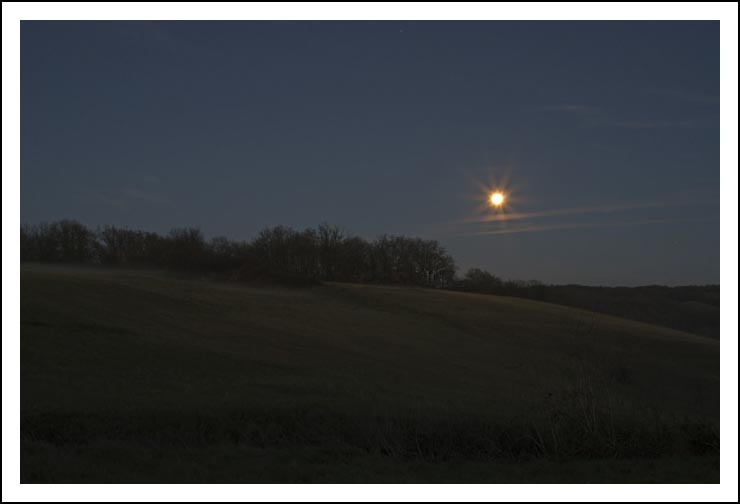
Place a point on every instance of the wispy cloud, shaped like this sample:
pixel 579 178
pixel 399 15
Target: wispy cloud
pixel 686 123
pixel 569 108
pixel 559 212
pixel 125 198
pixel 592 116
pixel 554 219
pixel 684 95
pixel 160 36
pixel 140 195
pixel 579 225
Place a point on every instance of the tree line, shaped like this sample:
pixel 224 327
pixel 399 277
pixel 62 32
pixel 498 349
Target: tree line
pixel 325 253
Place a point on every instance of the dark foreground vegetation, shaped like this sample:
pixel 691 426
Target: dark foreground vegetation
pixel 284 255
pixel 229 446
pixel 150 376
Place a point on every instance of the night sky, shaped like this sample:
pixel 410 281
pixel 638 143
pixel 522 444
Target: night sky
pixel 603 135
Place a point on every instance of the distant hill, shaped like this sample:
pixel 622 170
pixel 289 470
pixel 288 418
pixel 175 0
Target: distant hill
pixel 694 309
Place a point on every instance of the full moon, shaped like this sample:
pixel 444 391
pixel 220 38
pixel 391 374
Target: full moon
pixel 497 199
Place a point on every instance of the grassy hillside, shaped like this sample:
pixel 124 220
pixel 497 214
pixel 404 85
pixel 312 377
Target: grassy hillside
pixel 693 309
pixel 144 376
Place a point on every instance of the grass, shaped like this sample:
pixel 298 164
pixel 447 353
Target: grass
pixel 144 376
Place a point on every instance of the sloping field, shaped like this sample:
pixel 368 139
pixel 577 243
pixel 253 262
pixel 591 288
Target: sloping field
pixel 112 356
